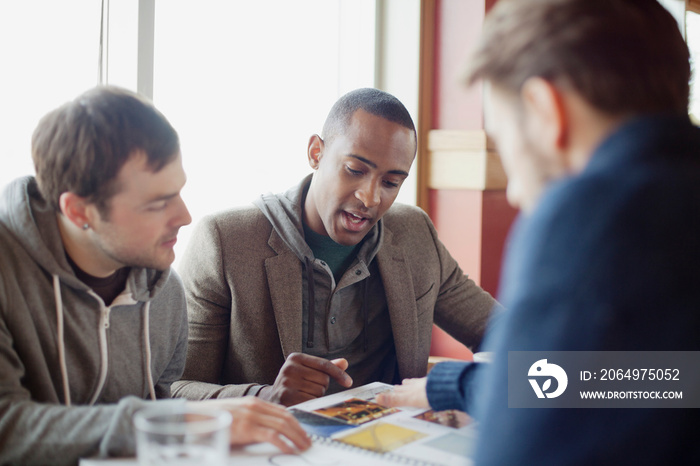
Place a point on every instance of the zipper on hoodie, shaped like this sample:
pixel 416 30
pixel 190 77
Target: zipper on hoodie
pixel 105 314
pixel 104 357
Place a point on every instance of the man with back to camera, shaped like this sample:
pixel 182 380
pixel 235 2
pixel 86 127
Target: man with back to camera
pixel 375 274
pixel 589 110
pixel 92 320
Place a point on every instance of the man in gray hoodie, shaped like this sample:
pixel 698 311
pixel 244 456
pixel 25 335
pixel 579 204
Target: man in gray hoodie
pixel 92 319
pixel 328 284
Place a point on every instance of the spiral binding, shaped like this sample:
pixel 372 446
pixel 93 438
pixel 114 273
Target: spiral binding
pixel 393 457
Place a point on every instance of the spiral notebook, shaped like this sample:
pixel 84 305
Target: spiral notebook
pixel 351 426
pixel 350 429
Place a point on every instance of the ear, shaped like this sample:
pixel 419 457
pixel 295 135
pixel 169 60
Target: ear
pixel 315 151
pixel 546 111
pixel 75 208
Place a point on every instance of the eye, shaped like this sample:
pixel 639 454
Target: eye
pixel 393 182
pixel 353 172
pixel 157 206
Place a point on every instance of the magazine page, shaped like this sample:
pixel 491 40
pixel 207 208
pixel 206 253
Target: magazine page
pixel 349 429
pixel 352 420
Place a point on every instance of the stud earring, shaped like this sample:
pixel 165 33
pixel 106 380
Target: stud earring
pixel 85 226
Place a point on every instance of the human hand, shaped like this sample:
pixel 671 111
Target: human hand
pixel 411 392
pixel 304 377
pixel 256 420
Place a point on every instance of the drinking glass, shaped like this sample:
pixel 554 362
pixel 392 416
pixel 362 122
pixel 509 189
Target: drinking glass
pixel 184 436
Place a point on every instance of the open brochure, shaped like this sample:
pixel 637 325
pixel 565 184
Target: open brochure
pixel 352 423
pixel 350 428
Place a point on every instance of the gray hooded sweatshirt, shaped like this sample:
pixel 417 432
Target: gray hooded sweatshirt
pixel 72 369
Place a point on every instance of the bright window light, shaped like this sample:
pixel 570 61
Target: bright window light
pixel 49 54
pixel 247 83
pixel 244 83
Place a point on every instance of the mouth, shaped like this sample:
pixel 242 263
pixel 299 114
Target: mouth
pixel 169 243
pixel 354 222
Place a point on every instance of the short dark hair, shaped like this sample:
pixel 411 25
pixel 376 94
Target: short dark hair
pixel 81 146
pixel 374 101
pixel 622 56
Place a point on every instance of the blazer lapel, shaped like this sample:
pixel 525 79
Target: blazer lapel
pixel 284 281
pixel 401 300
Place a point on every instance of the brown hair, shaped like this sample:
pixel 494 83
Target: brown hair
pixel 81 146
pixel 622 56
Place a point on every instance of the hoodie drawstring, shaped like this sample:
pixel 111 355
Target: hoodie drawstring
pixel 59 338
pixel 312 302
pixel 147 344
pixel 103 345
pixel 102 332
pixel 365 314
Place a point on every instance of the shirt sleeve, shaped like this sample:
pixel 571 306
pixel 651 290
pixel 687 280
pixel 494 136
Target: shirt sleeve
pixel 447 384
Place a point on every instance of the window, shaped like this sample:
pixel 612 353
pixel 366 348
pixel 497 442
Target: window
pixel 247 83
pixel 49 54
pixel 244 83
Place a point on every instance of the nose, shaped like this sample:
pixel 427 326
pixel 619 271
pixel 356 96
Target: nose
pixel 369 193
pixel 182 216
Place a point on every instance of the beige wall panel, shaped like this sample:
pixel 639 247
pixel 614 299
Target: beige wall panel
pixel 464 160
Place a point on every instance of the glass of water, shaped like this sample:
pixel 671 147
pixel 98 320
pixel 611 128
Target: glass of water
pixel 180 435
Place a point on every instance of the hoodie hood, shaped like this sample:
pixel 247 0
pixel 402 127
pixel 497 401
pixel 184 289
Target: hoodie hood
pixel 285 213
pixel 33 223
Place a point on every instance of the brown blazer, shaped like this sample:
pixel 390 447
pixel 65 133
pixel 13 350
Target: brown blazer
pixel 244 296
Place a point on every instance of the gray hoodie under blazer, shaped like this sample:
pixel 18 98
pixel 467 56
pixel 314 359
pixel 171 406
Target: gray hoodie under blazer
pixel 244 276
pixel 103 352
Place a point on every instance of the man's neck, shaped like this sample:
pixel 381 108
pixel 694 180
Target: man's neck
pixel 107 288
pixel 81 250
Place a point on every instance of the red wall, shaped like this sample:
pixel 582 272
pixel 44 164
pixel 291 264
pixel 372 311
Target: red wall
pixel 473 224
pixel 457 29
